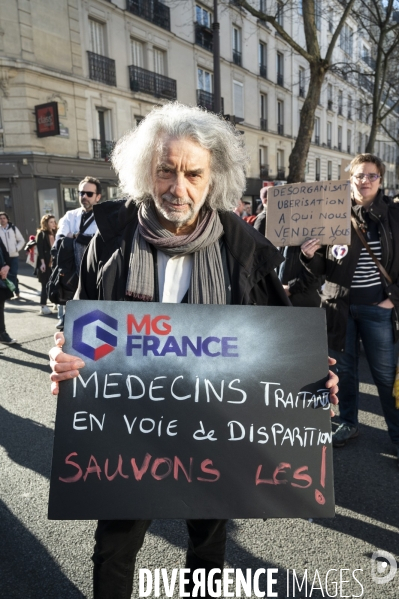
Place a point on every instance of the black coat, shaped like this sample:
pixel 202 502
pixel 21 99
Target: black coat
pixel 43 253
pixel 339 272
pixel 5 293
pixel 251 259
pixel 304 286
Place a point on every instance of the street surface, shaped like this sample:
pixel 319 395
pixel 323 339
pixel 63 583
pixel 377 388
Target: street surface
pixel 42 559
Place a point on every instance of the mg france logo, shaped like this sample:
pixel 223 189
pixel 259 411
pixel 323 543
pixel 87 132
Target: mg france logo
pixel 80 331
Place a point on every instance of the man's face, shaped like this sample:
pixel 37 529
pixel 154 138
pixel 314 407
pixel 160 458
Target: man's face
pixel 181 176
pixel 86 190
pixel 3 220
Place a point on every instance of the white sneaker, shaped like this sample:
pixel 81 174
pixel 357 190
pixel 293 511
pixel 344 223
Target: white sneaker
pixel 44 310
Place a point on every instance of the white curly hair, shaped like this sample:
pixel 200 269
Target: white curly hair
pixel 133 153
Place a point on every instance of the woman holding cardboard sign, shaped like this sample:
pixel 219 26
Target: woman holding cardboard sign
pixel 361 295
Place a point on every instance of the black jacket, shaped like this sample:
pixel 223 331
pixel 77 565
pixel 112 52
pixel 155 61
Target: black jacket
pixel 339 272
pixel 43 248
pixel 5 293
pixel 304 286
pixel 250 258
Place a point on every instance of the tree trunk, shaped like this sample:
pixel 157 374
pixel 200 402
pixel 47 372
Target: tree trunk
pixel 299 154
pixel 373 134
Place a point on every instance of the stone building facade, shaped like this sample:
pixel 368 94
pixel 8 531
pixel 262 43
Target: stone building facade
pixel 106 63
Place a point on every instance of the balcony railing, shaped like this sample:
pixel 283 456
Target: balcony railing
pixel 102 149
pixel 263 171
pixel 148 82
pixel 150 10
pixel 301 92
pixel 204 37
pixel 280 79
pixel 317 140
pixel 263 124
pixel 280 173
pixel 280 129
pixel 263 71
pixel 206 100
pixel 330 105
pixel 101 68
pixel 237 57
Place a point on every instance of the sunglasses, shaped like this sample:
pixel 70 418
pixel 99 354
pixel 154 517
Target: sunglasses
pixel 89 194
pixel 371 177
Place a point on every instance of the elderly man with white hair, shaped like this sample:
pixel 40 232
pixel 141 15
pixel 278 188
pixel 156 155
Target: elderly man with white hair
pixel 173 239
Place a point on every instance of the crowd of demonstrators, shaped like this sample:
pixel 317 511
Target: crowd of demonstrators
pixel 80 225
pixel 361 296
pixel 45 239
pixel 13 242
pixel 5 292
pixel 301 286
pixel 183 171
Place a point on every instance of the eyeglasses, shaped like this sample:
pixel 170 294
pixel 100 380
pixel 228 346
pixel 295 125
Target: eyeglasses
pixel 89 194
pixel 371 177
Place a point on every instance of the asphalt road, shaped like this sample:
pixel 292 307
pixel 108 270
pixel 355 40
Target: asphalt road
pixel 42 559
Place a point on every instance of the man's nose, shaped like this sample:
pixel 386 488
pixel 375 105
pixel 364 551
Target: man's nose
pixel 178 187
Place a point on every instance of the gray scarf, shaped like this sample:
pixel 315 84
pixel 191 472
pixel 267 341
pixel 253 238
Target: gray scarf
pixel 207 279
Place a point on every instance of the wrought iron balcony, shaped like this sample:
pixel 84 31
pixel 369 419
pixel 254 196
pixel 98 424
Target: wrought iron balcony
pixel 102 68
pixel 263 171
pixel 280 129
pixel 280 79
pixel 150 10
pixel 102 149
pixel 237 57
pixel 204 36
pixel 263 124
pixel 280 173
pixel 148 82
pixel 317 140
pixel 263 71
pixel 206 100
pixel 301 92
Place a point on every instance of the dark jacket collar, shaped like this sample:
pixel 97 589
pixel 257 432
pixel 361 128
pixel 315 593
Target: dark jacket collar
pixel 248 247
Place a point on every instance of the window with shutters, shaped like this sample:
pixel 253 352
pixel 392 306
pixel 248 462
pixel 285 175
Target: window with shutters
pixel 238 99
pixel 159 61
pixel 137 50
pixel 97 37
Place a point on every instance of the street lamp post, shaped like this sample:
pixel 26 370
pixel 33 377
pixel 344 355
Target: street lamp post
pixel 217 107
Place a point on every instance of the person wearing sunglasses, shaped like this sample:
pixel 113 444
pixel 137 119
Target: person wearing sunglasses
pixel 79 224
pixel 361 301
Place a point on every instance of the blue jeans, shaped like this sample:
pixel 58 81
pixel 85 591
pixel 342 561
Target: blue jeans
pixel 374 326
pixel 12 273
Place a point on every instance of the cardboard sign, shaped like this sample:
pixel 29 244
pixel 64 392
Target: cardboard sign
pixel 187 411
pixel 301 211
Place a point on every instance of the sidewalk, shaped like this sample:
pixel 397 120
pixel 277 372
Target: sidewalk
pixel 23 321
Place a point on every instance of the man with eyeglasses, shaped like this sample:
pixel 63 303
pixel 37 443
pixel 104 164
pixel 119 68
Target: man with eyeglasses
pixel 361 298
pixel 80 225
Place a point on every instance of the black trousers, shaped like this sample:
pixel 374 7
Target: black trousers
pixel 119 541
pixel 2 323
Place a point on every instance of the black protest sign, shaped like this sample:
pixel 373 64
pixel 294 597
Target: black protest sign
pixel 187 411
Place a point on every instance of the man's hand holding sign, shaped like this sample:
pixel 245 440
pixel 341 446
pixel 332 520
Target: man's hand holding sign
pixel 172 414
